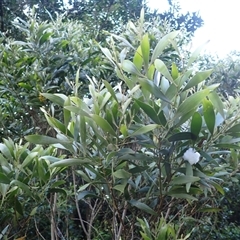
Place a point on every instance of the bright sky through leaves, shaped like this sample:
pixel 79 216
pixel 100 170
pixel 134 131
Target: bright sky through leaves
pixel 221 23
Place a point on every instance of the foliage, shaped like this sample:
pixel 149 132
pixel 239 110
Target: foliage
pixel 96 15
pixel 226 71
pixel 189 21
pixel 127 141
pixel 27 188
pixel 46 61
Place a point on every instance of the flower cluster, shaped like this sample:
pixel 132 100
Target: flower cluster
pixel 191 156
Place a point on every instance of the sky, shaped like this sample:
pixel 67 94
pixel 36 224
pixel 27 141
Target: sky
pixel 221 23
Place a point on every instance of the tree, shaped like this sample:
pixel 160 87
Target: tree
pixel 99 16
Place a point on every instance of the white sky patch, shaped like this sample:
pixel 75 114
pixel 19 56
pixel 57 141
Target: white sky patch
pixel 221 23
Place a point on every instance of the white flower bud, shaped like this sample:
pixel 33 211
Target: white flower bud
pixel 191 156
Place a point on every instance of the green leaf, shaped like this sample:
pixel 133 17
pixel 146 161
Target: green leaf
pixel 4 179
pixel 195 54
pixel 110 89
pixel 102 123
pixel 199 77
pixel 18 206
pixel 182 195
pixel 108 54
pixel 28 159
pixel 151 87
pixel 192 102
pixel 120 187
pixel 121 173
pixel 138 59
pixel 181 136
pixel 55 98
pixel 209 115
pixel 218 187
pixel 227 145
pixel 145 47
pixel 71 162
pixel 174 71
pixel 144 129
pixel 129 67
pixel 44 140
pixel 189 172
pixel 162 44
pixel 142 206
pixel 217 102
pixel 21 185
pixel 210 210
pixel 162 68
pixel 196 123
pixel 184 179
pixel 149 111
pixel 234 129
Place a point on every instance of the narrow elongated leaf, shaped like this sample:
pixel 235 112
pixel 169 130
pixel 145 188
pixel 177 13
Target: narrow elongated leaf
pixel 162 44
pixel 181 136
pixel 120 187
pixel 121 173
pixel 110 89
pixel 218 187
pixel 174 71
pixel 192 102
pixel 145 47
pixel 189 172
pixel 196 123
pixel 71 162
pixel 102 123
pixel 21 185
pixel 210 210
pixel 184 179
pixel 4 179
pixel 55 98
pixel 129 67
pixel 142 206
pixel 234 129
pixel 44 140
pixel 182 195
pixel 149 111
pixel 209 115
pixel 153 89
pixel 138 59
pixel 217 102
pixel 227 145
pixel 162 68
pixel 108 54
pixel 144 129
pixel 199 77
pixel 195 54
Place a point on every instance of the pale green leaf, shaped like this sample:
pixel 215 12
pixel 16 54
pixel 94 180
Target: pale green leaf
pixel 102 123
pixel 162 68
pixel 129 67
pixel 192 102
pixel 121 173
pixel 184 179
pixel 162 44
pixel 145 47
pixel 199 77
pixel 71 162
pixel 142 206
pixel 196 123
pixel 144 129
pixel 209 115
pixel 195 54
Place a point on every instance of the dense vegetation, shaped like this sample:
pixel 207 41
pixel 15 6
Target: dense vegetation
pixel 126 136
